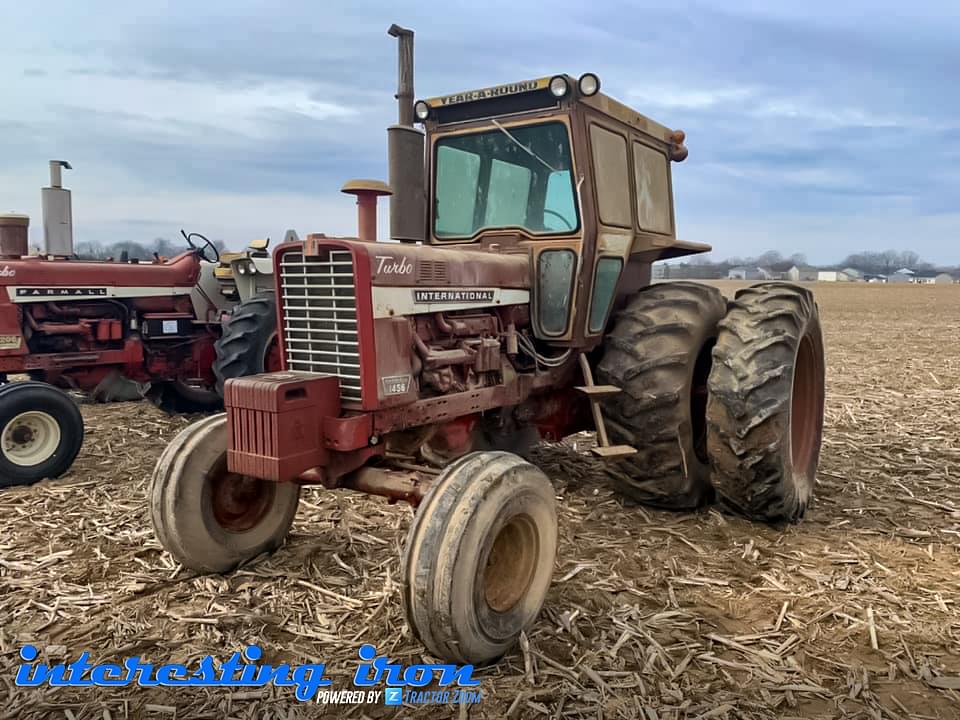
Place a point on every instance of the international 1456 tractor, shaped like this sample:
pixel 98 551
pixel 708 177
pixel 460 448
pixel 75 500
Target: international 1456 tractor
pixel 516 298
pixel 115 329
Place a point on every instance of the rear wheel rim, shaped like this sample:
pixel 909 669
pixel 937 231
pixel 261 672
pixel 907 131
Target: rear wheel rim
pixel 239 502
pixel 512 564
pixel 806 408
pixel 31 438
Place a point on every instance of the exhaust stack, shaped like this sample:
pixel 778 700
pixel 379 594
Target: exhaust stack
pixel 405 150
pixel 57 213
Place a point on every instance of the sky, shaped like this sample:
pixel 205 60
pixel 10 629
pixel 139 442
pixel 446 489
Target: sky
pixel 824 127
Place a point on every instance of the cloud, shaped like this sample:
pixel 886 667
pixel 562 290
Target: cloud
pixel 813 128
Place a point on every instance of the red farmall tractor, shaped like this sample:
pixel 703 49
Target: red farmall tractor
pixel 115 329
pixel 516 301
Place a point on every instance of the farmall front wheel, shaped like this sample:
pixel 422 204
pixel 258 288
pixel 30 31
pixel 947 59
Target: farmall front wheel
pixel 765 413
pixel 41 433
pixel 479 557
pixel 659 355
pixel 208 518
pixel 249 344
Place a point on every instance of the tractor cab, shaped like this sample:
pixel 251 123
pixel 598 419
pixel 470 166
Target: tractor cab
pixel 554 168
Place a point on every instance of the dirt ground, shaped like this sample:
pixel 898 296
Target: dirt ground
pixel 852 613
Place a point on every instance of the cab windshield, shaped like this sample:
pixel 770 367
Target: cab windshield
pixel 505 177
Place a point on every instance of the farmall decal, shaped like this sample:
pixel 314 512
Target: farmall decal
pixel 61 292
pixel 8 272
pixel 453 296
pixel 396 384
pixel 9 342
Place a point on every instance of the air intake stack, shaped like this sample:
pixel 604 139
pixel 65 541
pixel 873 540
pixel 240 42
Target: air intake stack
pixel 57 213
pixel 14 229
pixel 408 206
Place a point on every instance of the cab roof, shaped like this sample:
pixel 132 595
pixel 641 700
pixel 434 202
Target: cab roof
pixel 530 95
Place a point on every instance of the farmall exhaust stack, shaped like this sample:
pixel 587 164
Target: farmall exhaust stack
pixel 57 213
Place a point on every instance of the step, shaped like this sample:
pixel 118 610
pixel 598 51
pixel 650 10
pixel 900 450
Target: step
pixel 595 392
pixel 612 452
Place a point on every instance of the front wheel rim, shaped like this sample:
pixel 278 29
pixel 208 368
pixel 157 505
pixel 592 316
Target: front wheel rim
pixel 239 503
pixel 512 564
pixel 31 438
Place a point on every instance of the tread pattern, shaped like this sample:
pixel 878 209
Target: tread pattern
pixel 652 354
pixel 241 348
pixel 749 407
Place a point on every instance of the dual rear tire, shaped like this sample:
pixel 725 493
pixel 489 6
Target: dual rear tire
pixel 720 399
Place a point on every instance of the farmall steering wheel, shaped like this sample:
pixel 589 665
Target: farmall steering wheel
pixel 213 256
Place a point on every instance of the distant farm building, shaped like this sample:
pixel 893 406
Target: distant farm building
pixel 903 275
pixel 801 274
pixel 944 279
pixel 849 275
pixel 748 273
pixel 925 278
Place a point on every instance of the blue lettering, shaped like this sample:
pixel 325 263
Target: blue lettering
pixel 461 675
pixel 206 674
pixel 100 675
pixel 418 675
pixel 165 675
pixel 307 679
pixel 228 669
pixel 143 671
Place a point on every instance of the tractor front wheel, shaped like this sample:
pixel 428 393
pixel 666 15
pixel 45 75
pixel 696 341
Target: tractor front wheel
pixel 41 433
pixel 765 413
pixel 208 518
pixel 479 557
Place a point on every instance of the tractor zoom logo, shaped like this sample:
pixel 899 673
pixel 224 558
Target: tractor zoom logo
pixel 61 292
pixel 453 296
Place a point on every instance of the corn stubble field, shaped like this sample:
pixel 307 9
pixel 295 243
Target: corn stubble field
pixel 853 613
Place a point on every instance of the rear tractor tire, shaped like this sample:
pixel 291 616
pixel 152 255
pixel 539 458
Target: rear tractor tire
pixel 208 518
pixel 659 354
pixel 41 432
pixel 479 557
pixel 249 344
pixel 765 413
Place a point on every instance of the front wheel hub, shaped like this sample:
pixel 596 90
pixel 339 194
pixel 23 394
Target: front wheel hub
pixel 30 438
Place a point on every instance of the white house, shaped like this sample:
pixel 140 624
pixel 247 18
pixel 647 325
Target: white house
pixel 748 273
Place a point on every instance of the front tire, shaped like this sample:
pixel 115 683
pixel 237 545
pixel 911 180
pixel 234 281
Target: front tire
pixel 208 518
pixel 659 355
pixel 765 414
pixel 479 557
pixel 41 433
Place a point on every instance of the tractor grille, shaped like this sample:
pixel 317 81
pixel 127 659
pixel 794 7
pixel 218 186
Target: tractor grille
pixel 320 317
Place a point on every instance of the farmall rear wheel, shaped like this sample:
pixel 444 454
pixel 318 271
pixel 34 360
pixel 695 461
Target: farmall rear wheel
pixel 659 355
pixel 249 344
pixel 41 433
pixel 208 518
pixel 479 557
pixel 765 413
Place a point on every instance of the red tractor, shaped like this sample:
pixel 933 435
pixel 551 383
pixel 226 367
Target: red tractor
pixel 111 328
pixel 527 217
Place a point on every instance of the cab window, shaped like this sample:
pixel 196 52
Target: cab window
pixel 505 177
